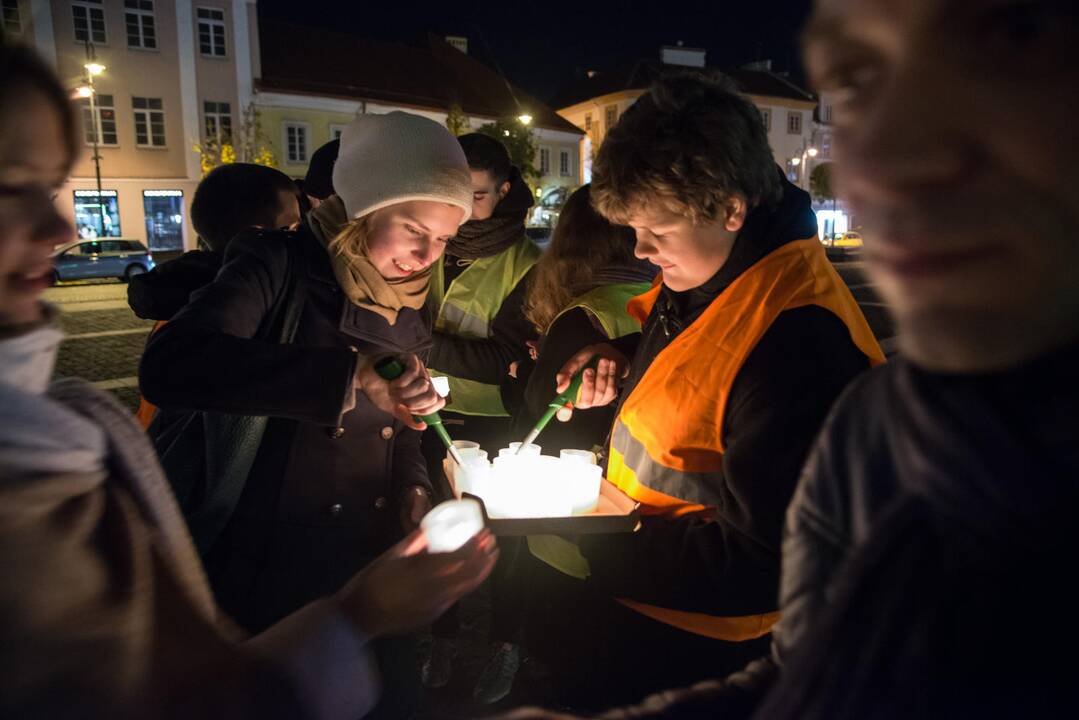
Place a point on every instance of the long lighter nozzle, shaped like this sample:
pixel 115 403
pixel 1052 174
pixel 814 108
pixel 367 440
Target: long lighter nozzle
pixel 532 435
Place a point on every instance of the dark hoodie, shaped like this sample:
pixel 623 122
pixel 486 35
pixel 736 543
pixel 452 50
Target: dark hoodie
pixel 165 290
pixel 778 401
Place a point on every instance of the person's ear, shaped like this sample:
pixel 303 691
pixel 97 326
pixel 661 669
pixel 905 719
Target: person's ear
pixel 737 207
pixel 503 190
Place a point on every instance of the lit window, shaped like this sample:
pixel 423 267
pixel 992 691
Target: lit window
pixel 89 19
pixel 139 18
pixel 211 32
pixel 149 122
pixel 106 120
pixel 96 217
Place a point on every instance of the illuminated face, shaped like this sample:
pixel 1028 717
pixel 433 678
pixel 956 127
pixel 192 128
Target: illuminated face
pixel 688 255
pixel 954 145
pixel 404 239
pixel 33 165
pixel 486 194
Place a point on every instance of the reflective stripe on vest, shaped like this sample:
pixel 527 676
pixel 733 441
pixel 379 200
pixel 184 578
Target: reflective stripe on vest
pixel 609 305
pixel 666 446
pixel 467 310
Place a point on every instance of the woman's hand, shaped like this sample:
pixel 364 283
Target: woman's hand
pixel 410 394
pixel 406 587
pixel 599 386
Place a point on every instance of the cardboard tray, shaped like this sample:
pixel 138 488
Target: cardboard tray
pixel 616 512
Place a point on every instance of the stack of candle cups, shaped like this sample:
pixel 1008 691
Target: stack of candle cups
pixel 530 484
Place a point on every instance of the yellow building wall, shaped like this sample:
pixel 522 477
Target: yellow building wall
pixel 272 122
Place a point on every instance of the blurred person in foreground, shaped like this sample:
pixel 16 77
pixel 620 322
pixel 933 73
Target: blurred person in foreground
pixel 105 611
pixel 932 534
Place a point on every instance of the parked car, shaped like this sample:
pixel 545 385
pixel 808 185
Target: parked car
pixel 847 240
pixel 101 258
pixel 547 210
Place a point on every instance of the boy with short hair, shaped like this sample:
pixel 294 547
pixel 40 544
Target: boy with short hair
pixel 230 199
pixel 745 344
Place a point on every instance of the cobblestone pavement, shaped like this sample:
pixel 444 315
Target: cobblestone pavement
pixel 104 343
pixel 104 339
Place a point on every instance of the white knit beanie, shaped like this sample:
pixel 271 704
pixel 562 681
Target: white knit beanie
pixel 398 157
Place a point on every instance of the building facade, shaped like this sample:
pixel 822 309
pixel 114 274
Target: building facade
pixel 173 70
pixel 787 111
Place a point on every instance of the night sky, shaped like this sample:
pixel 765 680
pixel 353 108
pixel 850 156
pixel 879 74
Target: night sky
pixel 540 45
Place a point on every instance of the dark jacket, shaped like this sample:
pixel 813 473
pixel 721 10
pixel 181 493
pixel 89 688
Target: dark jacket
pixel 931 533
pixel 322 497
pixel 165 290
pixel 527 397
pixel 778 401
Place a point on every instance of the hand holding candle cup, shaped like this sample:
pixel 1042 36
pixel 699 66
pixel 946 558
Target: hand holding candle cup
pixel 451 524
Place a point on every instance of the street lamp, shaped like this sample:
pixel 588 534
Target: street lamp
pixel 525 119
pixel 93 69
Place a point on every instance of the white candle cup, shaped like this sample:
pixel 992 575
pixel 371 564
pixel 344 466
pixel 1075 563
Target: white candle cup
pixel 451 524
pixel 530 450
pixel 466 448
pixel 473 475
pixel 586 456
pixel 585 484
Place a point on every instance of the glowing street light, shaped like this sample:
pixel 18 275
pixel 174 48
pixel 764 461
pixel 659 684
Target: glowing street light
pixel 525 119
pixel 796 161
pixel 83 91
pixel 94 68
pixel 812 152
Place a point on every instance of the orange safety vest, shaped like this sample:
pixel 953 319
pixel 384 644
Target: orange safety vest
pixel 666 447
pixel 147 410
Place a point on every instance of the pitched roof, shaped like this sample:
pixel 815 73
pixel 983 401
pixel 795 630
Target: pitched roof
pixel 642 73
pixel 319 62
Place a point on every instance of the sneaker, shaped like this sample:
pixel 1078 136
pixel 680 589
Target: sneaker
pixel 496 680
pixel 436 669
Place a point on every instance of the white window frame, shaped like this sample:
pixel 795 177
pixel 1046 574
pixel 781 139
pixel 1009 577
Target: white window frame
pixel 565 163
pixel 766 118
pixel 545 160
pixel 794 122
pixel 211 23
pixel 336 129
pixel 87 134
pixel 89 6
pixel 300 126
pixel 217 116
pixel 143 18
pixel 145 116
pixel 12 19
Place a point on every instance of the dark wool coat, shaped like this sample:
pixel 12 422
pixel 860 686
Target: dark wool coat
pixel 322 498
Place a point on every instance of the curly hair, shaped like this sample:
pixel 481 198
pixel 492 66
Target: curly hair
pixel 690 143
pixel 583 243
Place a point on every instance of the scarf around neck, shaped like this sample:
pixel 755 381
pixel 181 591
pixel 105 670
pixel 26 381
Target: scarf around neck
pixel 361 282
pixel 483 238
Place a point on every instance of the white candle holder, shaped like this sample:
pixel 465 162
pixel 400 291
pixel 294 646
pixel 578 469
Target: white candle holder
pixel 451 524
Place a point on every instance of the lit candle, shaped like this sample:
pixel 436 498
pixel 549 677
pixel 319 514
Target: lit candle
pixel 451 524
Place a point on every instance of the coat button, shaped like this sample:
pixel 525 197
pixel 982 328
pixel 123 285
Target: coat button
pixel 335 432
pixel 386 433
pixel 335 509
pixel 380 503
